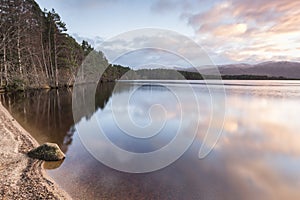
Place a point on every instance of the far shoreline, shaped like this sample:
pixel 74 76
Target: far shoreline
pixel 4 90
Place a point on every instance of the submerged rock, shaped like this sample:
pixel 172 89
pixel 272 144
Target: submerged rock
pixel 47 152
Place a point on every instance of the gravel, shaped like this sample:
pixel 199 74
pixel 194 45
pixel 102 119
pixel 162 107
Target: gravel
pixel 20 176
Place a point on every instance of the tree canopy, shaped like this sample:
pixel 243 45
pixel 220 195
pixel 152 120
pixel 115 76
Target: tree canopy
pixel 35 50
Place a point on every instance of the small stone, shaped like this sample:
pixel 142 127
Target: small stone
pixel 47 152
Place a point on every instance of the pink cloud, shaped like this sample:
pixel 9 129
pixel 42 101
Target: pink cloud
pixel 238 27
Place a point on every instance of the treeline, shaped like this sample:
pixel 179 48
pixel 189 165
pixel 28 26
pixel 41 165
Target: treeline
pixel 254 77
pixel 114 72
pixel 36 51
pixel 171 74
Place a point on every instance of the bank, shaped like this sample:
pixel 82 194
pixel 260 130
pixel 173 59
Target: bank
pixel 20 176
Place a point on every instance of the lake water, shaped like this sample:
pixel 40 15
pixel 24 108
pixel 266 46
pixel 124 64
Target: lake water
pixel 257 155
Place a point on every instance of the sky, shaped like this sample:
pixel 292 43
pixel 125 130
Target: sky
pixel 229 31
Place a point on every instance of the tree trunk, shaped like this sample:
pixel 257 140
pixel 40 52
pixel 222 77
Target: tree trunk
pixel 50 55
pixel 55 61
pixel 36 81
pixel 19 53
pixel 1 76
pixel 44 58
pixel 5 61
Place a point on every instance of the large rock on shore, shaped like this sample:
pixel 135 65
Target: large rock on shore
pixel 47 152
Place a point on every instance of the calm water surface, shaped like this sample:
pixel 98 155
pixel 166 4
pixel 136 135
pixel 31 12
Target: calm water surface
pixel 256 157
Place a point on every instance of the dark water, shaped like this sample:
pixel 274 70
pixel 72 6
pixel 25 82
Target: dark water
pixel 256 157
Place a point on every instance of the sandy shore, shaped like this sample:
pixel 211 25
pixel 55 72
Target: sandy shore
pixel 20 176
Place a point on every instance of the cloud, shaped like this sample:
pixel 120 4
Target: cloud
pixel 94 41
pixel 164 6
pixel 231 30
pixel 237 28
pixel 142 46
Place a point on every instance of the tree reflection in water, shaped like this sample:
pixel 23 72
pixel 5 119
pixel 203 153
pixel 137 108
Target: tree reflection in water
pixel 47 114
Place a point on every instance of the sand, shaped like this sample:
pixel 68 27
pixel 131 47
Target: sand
pixel 20 176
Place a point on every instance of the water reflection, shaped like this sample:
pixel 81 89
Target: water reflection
pixel 47 114
pixel 257 157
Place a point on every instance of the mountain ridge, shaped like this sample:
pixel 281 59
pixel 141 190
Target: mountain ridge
pixel 285 69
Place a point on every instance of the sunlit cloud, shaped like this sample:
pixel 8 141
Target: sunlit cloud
pixel 241 29
pixel 230 30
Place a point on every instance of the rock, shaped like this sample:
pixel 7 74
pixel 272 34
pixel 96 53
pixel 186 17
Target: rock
pixel 47 152
pixel 52 164
pixel 46 87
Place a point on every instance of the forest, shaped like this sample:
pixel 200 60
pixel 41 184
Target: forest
pixel 36 51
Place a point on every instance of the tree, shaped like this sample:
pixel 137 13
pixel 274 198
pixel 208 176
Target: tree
pixel 35 50
pixel 87 48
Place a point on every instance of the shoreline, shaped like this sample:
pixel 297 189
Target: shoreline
pixel 208 77
pixel 20 176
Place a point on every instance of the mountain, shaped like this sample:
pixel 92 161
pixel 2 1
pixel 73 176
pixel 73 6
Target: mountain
pixel 271 69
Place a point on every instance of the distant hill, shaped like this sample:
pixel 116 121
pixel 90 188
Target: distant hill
pixel 271 69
